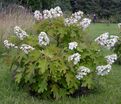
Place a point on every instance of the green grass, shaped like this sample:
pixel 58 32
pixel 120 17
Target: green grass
pixel 97 29
pixel 109 91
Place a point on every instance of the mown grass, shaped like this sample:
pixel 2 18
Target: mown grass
pixel 109 91
pixel 97 29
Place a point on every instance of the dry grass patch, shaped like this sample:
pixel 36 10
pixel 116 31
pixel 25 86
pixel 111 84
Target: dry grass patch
pixel 12 16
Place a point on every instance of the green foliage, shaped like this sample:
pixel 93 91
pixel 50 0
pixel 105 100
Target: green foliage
pixel 45 4
pixel 104 9
pixel 46 70
pixel 115 18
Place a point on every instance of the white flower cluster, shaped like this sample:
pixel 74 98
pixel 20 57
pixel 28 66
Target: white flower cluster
pixel 103 69
pixel 20 33
pixel 75 58
pixel 70 21
pixel 37 15
pixel 82 71
pixel 85 23
pixel 26 48
pixel 74 19
pixel 119 25
pixel 47 14
pixel 111 58
pixel 112 41
pixel 106 40
pixel 78 15
pixel 43 39
pixel 9 45
pixel 52 13
pixel 73 45
pixel 102 39
pixel 57 12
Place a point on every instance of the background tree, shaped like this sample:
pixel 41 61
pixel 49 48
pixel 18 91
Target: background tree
pixel 102 8
pixel 73 5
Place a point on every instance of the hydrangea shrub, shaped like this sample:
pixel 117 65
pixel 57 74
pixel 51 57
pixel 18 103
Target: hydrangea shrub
pixel 58 58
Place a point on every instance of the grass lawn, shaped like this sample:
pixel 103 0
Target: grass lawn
pixel 108 93
pixel 98 29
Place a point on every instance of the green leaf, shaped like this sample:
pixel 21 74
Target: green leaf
pixel 43 66
pixel 18 77
pixel 55 90
pixel 42 86
pixel 69 78
pixel 88 82
pixel 30 71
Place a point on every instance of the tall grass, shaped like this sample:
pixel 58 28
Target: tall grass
pixel 14 15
